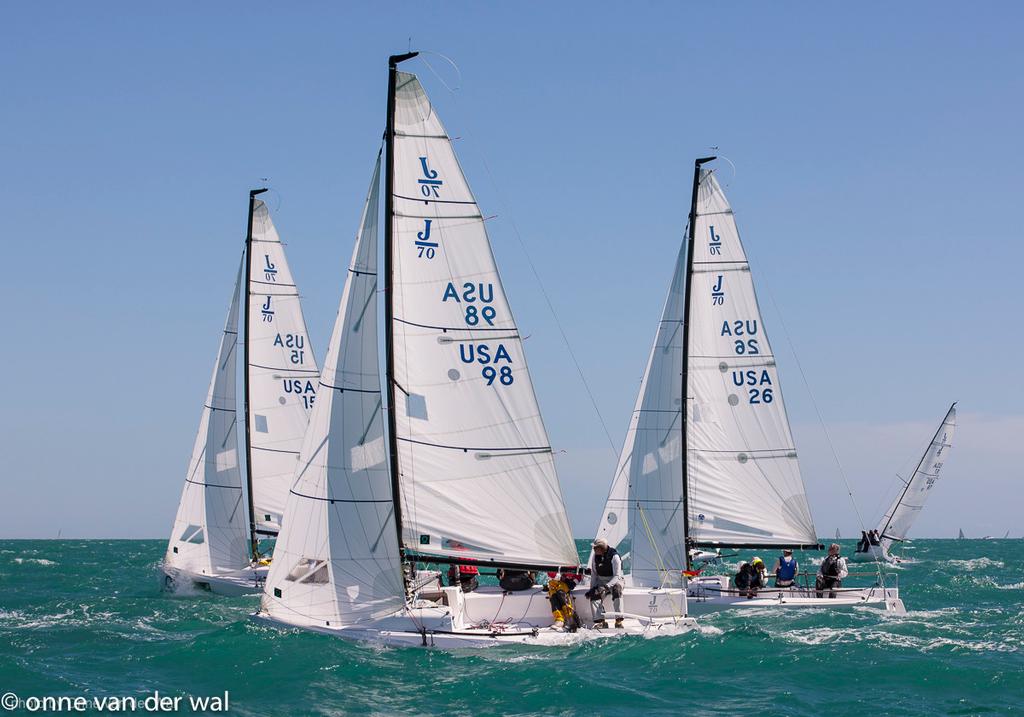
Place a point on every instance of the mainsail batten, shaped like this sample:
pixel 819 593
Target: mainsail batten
pixel 470 443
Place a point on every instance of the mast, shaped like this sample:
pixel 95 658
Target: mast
pixel 389 342
pixel 686 351
pixel 896 505
pixel 253 540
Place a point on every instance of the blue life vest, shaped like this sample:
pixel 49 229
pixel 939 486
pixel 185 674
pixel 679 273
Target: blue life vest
pixel 787 571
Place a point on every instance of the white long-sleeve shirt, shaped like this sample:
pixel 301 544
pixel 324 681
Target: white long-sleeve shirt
pixel 616 578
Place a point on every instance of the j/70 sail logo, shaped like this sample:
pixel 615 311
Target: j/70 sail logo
pixel 268 313
pixel 430 185
pixel 270 270
pixel 425 248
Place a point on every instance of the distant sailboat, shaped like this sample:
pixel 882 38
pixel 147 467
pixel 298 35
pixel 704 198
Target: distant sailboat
pixel 961 536
pixel 719 469
pixel 221 517
pixel 897 521
pixel 837 534
pixel 465 472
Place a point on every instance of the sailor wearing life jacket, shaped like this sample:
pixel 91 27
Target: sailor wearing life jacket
pixel 831 572
pixel 605 578
pixel 786 569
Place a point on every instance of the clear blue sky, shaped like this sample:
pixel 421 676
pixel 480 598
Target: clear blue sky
pixel 878 149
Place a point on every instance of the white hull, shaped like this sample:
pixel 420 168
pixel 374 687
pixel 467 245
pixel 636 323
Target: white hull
pixel 874 553
pixel 248 581
pixel 712 594
pixel 488 617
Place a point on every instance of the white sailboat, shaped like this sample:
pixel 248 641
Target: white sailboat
pixel 221 517
pixel 465 472
pixel 723 472
pixel 897 521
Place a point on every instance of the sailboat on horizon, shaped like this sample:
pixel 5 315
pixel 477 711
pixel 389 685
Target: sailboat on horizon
pixel 464 474
pixel 898 519
pixel 222 515
pixel 709 461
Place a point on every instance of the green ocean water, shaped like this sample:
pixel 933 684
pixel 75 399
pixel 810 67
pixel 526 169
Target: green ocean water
pixel 89 618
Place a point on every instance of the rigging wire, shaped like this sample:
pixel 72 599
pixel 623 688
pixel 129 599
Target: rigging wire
pixel 824 428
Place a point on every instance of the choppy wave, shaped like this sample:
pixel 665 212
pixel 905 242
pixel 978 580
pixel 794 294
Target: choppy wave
pixel 101 620
pixel 977 563
pixel 37 561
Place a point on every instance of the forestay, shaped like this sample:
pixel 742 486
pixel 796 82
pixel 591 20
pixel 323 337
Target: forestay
pixel 476 469
pixel 904 510
pixel 336 560
pixel 282 373
pixel 744 479
pixel 644 517
pixel 210 533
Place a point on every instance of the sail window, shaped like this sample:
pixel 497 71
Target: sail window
pixel 193 534
pixel 226 460
pixel 261 424
pixel 309 570
pixel 416 406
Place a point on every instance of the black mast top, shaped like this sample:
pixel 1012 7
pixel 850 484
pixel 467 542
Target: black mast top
pixel 254 546
pixel 389 341
pixel 684 407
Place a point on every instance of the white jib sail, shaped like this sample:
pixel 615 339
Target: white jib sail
pixel 210 533
pixel 336 560
pixel 282 373
pixel 905 509
pixel 477 472
pixel 644 516
pixel 744 479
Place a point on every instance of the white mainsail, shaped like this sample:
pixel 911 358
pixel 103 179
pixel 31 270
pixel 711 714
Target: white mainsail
pixel 476 468
pixel 644 517
pixel 904 511
pixel 282 373
pixel 210 531
pixel 336 560
pixel 744 479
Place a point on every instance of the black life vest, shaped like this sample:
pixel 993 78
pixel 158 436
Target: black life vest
pixel 830 567
pixel 603 563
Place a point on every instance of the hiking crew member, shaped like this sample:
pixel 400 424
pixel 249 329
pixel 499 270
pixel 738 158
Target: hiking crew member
pixel 605 578
pixel 515 580
pixel 464 576
pixel 786 569
pixel 560 587
pixel 748 580
pixel 762 572
pixel 831 572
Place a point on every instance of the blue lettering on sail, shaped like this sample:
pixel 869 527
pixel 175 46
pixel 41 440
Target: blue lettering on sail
pixel 470 294
pixel 424 246
pixel 489 358
pixel 267 311
pixel 718 293
pixel 302 388
pixel 715 245
pixel 742 327
pixel 270 270
pixel 429 183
